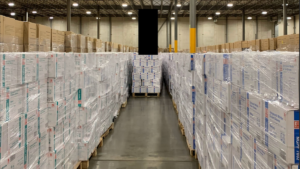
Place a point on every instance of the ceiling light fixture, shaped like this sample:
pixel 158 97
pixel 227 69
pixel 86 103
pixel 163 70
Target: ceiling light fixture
pixel 230 5
pixel 97 17
pixel 11 4
pixel 286 4
pixel 289 18
pixel 178 5
pixel 88 12
pixel 264 12
pixel 249 17
pixel 218 13
pixel 51 17
pixel 173 13
pixel 75 4
pixel 12 14
pixel 124 4
pixel 133 18
pixel 172 18
pixel 34 12
pixel 209 18
pixel 129 13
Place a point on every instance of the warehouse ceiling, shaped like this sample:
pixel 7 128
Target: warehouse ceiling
pixel 113 8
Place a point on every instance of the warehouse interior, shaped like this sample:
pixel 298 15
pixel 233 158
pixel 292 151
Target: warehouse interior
pixel 221 93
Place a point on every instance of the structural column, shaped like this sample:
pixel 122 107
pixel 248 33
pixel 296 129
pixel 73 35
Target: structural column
pixel 284 18
pixel 256 32
pixel 80 24
pixel 243 20
pixel 192 26
pixel 110 29
pixel 98 23
pixel 167 30
pixel 170 34
pixel 226 30
pixel 68 15
pixel 175 29
pixel 26 15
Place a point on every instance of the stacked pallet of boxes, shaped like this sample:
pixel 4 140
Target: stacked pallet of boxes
pixel 181 79
pixel 247 116
pixel 146 75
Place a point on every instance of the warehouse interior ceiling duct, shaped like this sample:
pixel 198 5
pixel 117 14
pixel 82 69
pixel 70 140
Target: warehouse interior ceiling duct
pixel 204 8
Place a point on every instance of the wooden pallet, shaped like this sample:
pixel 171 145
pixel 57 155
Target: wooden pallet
pixel 107 131
pixel 124 104
pixel 181 128
pixel 78 165
pixel 145 94
pixel 192 151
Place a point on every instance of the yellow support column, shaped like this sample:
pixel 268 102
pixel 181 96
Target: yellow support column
pixel 175 47
pixel 192 40
pixel 192 26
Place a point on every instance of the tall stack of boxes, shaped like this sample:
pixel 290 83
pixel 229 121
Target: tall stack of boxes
pixel 247 108
pixel 179 70
pixel 147 74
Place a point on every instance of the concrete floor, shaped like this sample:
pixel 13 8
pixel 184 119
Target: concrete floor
pixel 146 136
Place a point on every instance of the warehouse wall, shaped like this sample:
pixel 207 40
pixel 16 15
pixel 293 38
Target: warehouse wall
pixel 125 30
pixel 290 26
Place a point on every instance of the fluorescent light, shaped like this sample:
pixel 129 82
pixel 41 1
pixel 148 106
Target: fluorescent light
pixel 172 18
pixel 34 12
pixel 230 5
pixel 133 18
pixel 51 17
pixel 173 13
pixel 289 18
pixel 209 18
pixel 286 4
pixel 124 4
pixel 249 17
pixel 11 4
pixel 218 13
pixel 88 12
pixel 75 4
pixel 264 12
pixel 12 14
pixel 97 17
pixel 178 5
pixel 129 13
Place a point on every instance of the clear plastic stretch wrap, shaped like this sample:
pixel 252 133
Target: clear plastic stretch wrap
pixel 246 107
pixel 54 103
pixel 147 73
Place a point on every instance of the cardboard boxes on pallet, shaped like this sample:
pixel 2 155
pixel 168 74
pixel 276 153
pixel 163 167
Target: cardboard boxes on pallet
pixel 30 37
pixel 44 38
pixel 70 41
pixel 81 44
pixel 97 44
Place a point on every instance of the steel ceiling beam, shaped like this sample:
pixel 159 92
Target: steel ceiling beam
pixel 142 4
pixel 151 4
pixel 161 8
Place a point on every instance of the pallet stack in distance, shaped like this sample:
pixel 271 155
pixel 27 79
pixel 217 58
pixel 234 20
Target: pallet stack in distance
pixel 146 74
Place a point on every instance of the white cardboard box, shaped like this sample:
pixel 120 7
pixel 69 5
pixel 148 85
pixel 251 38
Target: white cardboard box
pixel 42 66
pixel 15 134
pixel 27 67
pixel 56 157
pixel 31 125
pixel 9 69
pixel 32 152
pixel 282 131
pixel 56 136
pixel 55 89
pixel 16 159
pixel 31 96
pixel 4 140
pixel 56 111
pixel 56 64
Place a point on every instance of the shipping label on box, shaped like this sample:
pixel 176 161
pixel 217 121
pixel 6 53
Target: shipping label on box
pixel 55 87
pixel 255 115
pixel 32 152
pixel 9 69
pixel 27 64
pixel 56 136
pixel 56 111
pixel 56 65
pixel 31 125
pixel 15 134
pixel 282 131
pixel 17 159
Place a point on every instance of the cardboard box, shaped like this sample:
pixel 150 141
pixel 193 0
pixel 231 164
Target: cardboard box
pixel 19 33
pixel 70 41
pixel 231 47
pixel 97 45
pixel 44 38
pixel 237 47
pixel 257 45
pixel 281 131
pixel 89 44
pixel 54 40
pixel 273 43
pixel 218 49
pixel 265 45
pixel 227 48
pixel 245 44
pixel 7 34
pixel 56 65
pixel 30 37
pixel 294 43
pixel 283 43
pixel 252 45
